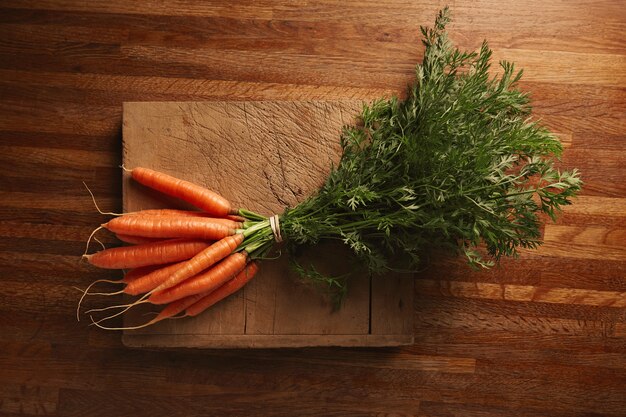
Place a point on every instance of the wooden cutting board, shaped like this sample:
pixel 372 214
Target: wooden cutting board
pixel 264 156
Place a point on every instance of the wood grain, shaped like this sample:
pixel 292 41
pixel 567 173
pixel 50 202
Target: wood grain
pixel 540 335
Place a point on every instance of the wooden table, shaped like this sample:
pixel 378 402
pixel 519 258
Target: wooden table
pixel 542 335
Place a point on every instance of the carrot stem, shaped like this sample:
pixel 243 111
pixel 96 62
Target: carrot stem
pixel 251 215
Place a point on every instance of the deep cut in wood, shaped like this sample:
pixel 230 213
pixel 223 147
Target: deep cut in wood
pixel 264 156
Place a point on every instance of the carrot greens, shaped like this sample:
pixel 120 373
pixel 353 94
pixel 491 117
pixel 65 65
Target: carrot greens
pixel 456 164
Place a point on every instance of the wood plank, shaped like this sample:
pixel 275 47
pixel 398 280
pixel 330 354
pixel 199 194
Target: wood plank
pixel 200 89
pixel 522 293
pixel 391 303
pixel 169 29
pixel 42 200
pixel 180 8
pixel 232 341
pixel 572 68
pixel 592 242
pixel 548 271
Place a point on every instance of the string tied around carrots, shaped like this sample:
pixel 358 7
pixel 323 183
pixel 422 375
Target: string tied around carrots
pixel 275 225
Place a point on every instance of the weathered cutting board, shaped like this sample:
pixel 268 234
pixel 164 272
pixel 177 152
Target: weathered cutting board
pixel 263 156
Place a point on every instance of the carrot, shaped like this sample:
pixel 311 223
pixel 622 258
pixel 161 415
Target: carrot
pixel 236 218
pixel 151 280
pixel 176 307
pixel 203 260
pixel 147 254
pixel 197 303
pixel 169 226
pixel 168 212
pixel 226 222
pixel 137 273
pixel 206 281
pixel 138 281
pixel 200 197
pixel 160 280
pixel 234 222
pixel 135 240
pixel 223 291
pixel 217 220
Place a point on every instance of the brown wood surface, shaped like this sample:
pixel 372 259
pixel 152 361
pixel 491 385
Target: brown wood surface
pixel 264 156
pixel 543 335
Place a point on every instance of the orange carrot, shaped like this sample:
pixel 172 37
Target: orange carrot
pixel 236 218
pixel 223 291
pixel 206 281
pixel 197 303
pixel 169 226
pixel 168 212
pixel 227 221
pixel 136 240
pixel 137 273
pixel 217 220
pixel 177 306
pixel 203 260
pixel 151 280
pixel 200 197
pixel 147 254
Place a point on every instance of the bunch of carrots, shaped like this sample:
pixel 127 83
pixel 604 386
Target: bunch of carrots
pixel 184 260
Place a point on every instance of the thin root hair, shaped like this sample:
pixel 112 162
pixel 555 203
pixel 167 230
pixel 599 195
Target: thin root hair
pixel 86 292
pixel 89 240
pixel 97 323
pixel 142 300
pixel 93 198
pixel 100 242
